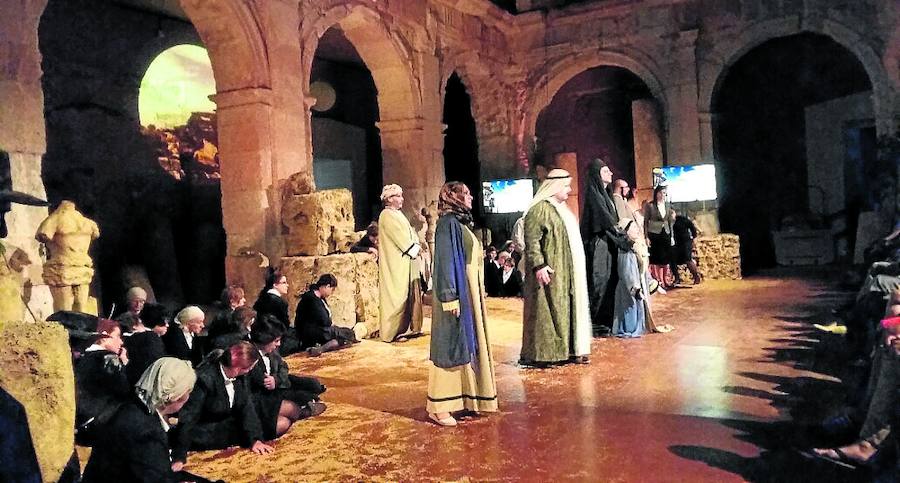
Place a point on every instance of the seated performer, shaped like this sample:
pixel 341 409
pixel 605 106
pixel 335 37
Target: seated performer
pixel 182 339
pixel 220 412
pixel 280 398
pixel 313 321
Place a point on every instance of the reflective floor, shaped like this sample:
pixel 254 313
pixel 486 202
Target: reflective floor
pixel 718 399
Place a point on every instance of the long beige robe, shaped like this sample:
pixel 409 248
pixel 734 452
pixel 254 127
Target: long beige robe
pixel 471 386
pixel 399 285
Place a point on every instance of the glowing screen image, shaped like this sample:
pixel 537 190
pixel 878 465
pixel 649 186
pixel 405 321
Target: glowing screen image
pixel 178 82
pixel 507 195
pixel 688 183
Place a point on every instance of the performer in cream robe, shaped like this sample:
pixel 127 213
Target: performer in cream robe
pixel 399 284
pixel 556 319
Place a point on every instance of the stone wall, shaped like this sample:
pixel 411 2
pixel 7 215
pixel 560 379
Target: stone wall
pixel 36 369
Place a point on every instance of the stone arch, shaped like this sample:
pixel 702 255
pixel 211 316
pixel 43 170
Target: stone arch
pixel 383 50
pixel 714 66
pixel 232 37
pixel 557 74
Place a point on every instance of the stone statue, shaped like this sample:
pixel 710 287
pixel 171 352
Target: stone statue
pixel 67 235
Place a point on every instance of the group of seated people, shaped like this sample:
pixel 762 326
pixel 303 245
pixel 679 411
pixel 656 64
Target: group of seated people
pixel 225 385
pixel 502 277
pixel 861 434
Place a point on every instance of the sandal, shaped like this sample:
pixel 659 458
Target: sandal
pixel 449 421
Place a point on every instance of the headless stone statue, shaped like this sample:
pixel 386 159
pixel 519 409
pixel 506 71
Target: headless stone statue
pixel 67 235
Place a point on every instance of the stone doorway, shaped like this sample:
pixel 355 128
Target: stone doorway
pixel 461 141
pixel 779 113
pixel 345 137
pixel 606 112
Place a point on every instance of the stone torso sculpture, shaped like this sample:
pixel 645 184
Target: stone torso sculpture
pixel 69 269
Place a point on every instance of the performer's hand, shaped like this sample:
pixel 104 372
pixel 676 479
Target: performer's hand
pixel 269 382
pixel 177 466
pixel 261 448
pixel 543 275
pixel 455 312
pixel 123 355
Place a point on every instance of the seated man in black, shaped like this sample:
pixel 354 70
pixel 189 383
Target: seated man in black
pixel 369 242
pixel 313 321
pixel 510 279
pixel 100 378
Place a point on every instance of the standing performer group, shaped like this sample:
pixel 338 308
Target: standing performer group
pixel 399 283
pixel 462 373
pixel 557 323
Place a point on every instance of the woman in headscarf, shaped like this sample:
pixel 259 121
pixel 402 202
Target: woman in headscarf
pixel 462 371
pixel 556 321
pixel 598 221
pixel 133 445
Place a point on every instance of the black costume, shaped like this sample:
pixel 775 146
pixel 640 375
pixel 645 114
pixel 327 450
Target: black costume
pixel 133 447
pixel 176 345
pixel 207 421
pixel 492 280
pixel 313 323
pixel 684 232
pixel 363 245
pixel 300 390
pixel 598 222
pixel 512 287
pixel 270 304
pixel 144 348
pixel 100 383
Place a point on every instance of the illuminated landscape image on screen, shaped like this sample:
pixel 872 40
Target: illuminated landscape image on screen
pixel 507 195
pixel 690 183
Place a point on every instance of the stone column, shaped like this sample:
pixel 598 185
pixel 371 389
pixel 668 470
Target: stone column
pixel 683 140
pixel 22 135
pixel 246 153
pixel 707 148
pixel 648 151
pixel 412 151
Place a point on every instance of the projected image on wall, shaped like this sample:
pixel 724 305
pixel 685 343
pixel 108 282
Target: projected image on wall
pixel 688 183
pixel 507 195
pixel 177 116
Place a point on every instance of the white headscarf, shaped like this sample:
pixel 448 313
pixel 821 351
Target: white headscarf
pixel 390 190
pixel 189 313
pixel 557 180
pixel 164 381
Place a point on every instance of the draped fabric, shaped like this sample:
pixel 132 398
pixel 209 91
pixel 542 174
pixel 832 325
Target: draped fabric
pixel 599 213
pixel 452 341
pixel 399 283
pixel 471 385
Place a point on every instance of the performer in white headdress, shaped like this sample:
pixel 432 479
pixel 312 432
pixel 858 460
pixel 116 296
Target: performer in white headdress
pixel 557 323
pixel 399 284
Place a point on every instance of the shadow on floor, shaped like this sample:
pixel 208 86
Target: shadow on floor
pixel 804 400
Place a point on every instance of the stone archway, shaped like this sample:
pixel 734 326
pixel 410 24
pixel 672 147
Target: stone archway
pixel 713 67
pixel 562 71
pixel 410 142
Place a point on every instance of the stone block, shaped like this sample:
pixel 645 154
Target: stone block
pixel 718 257
pixel 36 369
pixel 247 270
pixel 318 223
pixel 356 298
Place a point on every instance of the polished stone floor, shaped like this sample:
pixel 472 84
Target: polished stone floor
pixel 719 399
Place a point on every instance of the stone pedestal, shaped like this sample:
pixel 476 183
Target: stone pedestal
pixel 36 369
pixel 355 300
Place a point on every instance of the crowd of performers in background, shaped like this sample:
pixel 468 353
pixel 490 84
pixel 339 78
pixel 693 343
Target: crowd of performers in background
pixel 150 387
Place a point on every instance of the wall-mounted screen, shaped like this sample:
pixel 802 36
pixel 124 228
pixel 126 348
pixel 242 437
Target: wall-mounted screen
pixel 507 195
pixel 688 183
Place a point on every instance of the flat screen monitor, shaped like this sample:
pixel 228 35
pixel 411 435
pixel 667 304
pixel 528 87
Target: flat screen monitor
pixel 688 183
pixel 507 195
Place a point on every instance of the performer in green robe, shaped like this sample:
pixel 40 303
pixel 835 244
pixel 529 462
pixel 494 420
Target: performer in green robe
pixel 556 325
pixel 399 285
pixel 462 373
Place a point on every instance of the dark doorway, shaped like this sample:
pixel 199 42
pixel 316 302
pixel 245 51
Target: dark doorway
pixel 760 138
pixel 461 141
pixel 591 115
pixel 346 140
